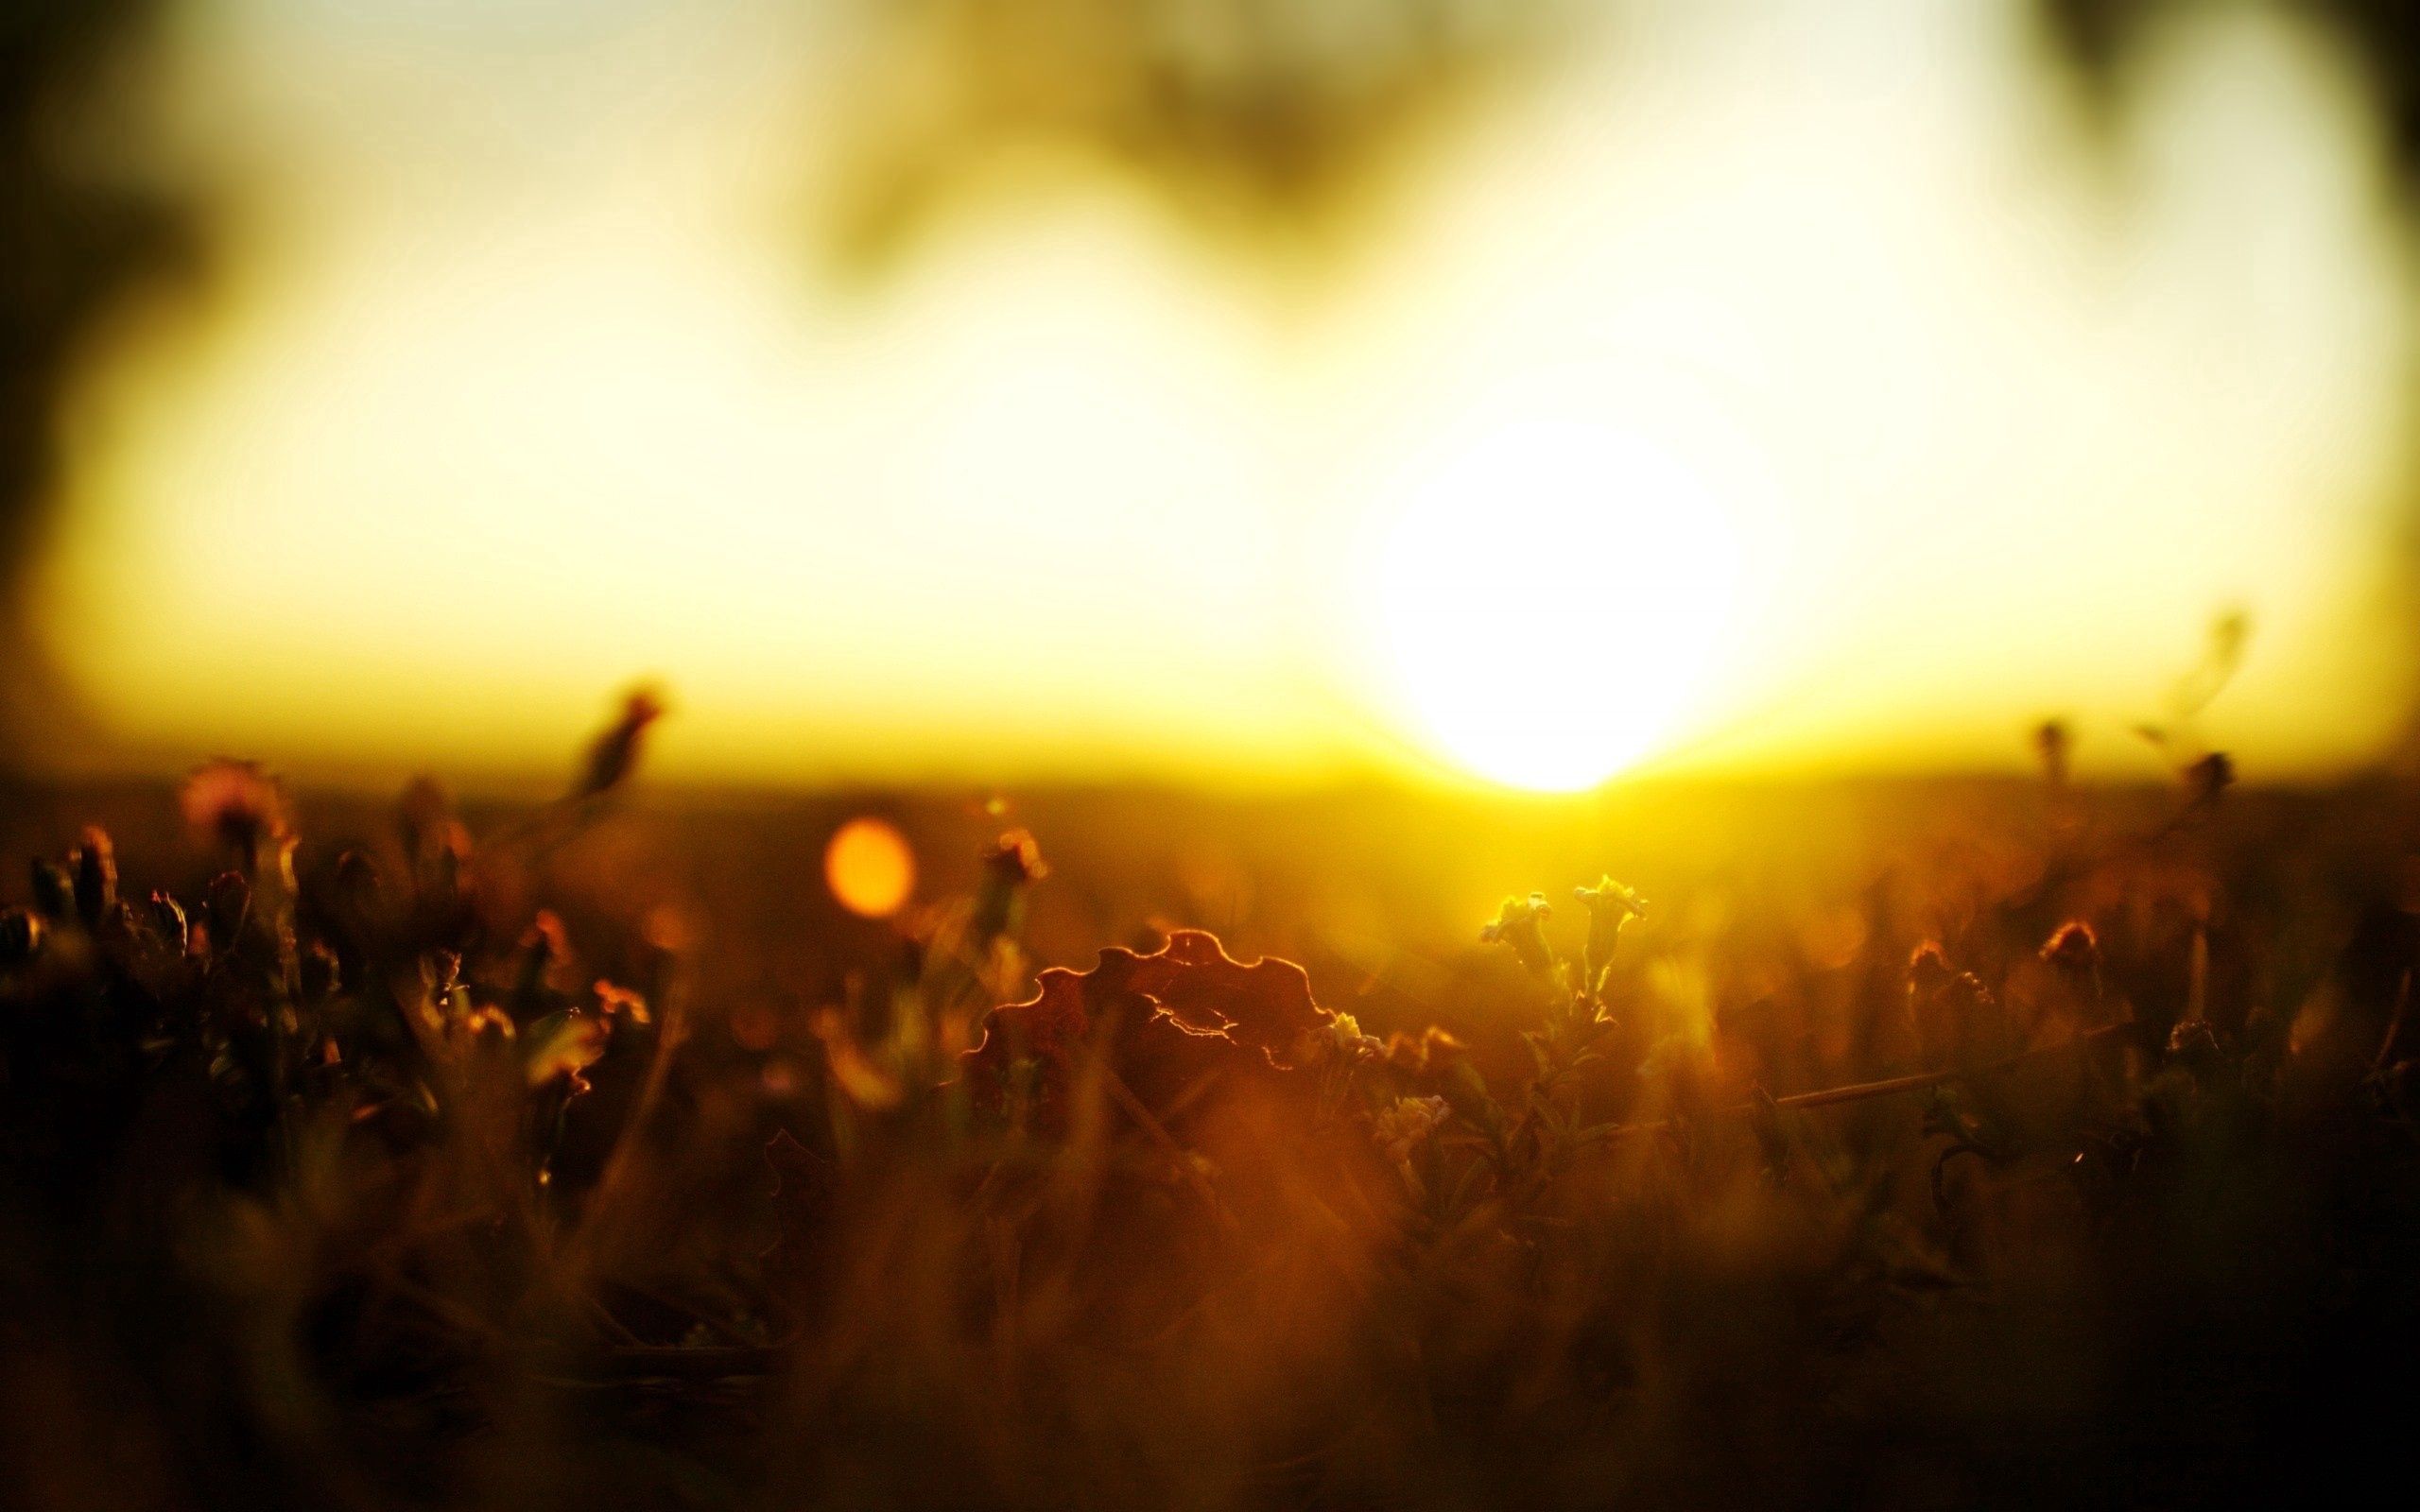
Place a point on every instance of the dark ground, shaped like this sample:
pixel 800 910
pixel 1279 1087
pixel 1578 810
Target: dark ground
pixel 2174 1267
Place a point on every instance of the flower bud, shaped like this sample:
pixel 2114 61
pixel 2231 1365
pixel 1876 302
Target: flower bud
pixel 616 753
pixel 2073 948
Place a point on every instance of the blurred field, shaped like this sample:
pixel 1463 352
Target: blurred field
pixel 1257 412
pixel 305 1213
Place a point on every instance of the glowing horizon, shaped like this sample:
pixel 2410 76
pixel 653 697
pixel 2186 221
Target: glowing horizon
pixel 480 429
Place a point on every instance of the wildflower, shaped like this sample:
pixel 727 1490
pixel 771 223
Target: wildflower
pixel 1609 906
pixel 2073 948
pixel 237 801
pixel 1518 925
pixel 1404 1128
pixel 1338 1042
pixel 1436 1059
pixel 616 751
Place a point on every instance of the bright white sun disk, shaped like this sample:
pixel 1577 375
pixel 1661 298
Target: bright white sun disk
pixel 1550 600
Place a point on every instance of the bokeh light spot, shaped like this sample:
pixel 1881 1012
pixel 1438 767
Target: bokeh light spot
pixel 870 868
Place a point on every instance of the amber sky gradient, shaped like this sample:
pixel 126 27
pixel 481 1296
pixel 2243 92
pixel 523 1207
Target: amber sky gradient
pixel 522 379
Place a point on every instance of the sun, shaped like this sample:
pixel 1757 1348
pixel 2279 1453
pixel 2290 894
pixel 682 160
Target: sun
pixel 1548 599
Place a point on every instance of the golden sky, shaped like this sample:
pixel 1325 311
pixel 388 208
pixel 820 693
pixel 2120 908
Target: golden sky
pixel 1760 387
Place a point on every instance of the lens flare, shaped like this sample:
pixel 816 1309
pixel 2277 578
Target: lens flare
pixel 1550 601
pixel 870 868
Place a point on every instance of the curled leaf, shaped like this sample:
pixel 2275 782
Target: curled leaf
pixel 1186 1011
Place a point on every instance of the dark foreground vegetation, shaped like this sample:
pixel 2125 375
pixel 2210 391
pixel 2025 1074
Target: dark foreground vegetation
pixel 1898 1146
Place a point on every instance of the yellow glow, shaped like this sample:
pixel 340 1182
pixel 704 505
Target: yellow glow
pixel 869 868
pixel 1552 599
pixel 513 394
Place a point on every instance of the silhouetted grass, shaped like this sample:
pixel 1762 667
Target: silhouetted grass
pixel 2010 1144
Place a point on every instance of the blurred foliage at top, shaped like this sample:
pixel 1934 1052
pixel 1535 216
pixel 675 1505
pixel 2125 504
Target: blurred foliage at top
pixel 77 229
pixel 1264 116
pixel 1243 113
pixel 2102 37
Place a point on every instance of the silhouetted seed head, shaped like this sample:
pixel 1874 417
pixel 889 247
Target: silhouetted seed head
pixel 615 753
pixel 2192 1041
pixel 1947 1007
pixel 2073 948
pixel 2054 744
pixel 240 804
pixel 1520 925
pixel 54 891
pixel 2210 776
pixel 21 936
pixel 95 877
pixel 1016 858
pixel 1010 865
